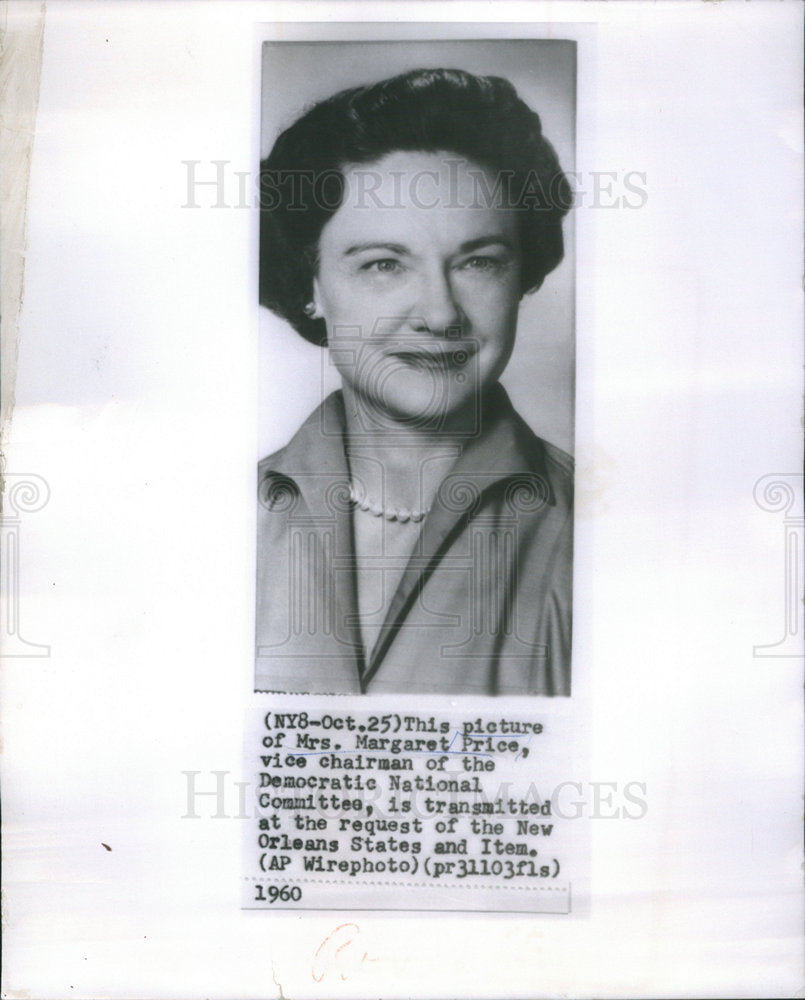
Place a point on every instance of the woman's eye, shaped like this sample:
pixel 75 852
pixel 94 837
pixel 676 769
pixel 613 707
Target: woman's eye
pixel 385 266
pixel 481 263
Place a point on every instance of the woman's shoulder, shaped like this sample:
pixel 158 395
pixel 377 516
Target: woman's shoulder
pixel 545 458
pixel 556 467
pixel 271 464
pixel 313 444
pixel 558 459
pixel 310 467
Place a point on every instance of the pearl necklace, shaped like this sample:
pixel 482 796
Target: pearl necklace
pixel 401 514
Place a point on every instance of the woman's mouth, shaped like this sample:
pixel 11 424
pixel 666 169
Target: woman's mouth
pixel 442 358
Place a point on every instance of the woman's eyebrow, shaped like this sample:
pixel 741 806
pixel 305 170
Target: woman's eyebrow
pixel 485 241
pixel 493 239
pixel 391 247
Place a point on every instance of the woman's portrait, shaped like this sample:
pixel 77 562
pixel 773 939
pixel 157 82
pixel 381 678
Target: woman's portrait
pixel 415 532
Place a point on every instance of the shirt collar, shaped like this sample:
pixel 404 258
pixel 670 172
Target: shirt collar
pixel 315 458
pixel 315 461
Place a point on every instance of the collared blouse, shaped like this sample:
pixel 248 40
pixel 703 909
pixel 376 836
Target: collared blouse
pixel 484 603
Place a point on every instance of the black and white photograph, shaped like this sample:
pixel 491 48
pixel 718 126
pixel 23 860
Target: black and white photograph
pixel 415 534
pixel 401 472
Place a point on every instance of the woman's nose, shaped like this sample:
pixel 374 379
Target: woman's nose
pixel 437 310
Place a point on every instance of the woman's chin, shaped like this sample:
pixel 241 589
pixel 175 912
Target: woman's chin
pixel 424 404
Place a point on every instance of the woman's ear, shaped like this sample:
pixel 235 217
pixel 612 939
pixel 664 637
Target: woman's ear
pixel 316 311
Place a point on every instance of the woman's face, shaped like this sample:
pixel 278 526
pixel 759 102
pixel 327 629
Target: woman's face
pixel 419 284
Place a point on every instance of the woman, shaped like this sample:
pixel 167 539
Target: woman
pixel 415 535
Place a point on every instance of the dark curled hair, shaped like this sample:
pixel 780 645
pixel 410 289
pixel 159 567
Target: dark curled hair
pixel 480 118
